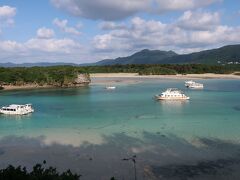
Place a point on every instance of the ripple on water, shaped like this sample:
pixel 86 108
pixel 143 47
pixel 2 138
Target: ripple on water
pixel 237 108
pixel 2 152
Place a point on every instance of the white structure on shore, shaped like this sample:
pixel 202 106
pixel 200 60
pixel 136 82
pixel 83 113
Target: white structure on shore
pixel 16 109
pixel 193 85
pixel 172 94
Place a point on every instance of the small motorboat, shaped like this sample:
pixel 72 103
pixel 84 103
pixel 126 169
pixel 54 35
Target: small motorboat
pixel 193 85
pixel 110 87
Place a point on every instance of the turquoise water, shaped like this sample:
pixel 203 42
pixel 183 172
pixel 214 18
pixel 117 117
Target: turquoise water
pixel 74 116
pixel 90 130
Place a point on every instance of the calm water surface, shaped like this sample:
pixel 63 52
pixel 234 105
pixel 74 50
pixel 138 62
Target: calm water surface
pixel 129 115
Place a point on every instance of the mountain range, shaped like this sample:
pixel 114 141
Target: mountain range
pixel 225 55
pixel 40 64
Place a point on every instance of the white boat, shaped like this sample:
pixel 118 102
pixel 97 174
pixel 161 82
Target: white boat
pixel 193 85
pixel 196 86
pixel 172 94
pixel 188 83
pixel 110 87
pixel 17 109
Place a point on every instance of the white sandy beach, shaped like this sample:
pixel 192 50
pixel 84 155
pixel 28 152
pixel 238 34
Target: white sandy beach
pixel 178 76
pixel 133 78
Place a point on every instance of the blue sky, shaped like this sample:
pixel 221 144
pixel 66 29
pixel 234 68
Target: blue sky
pixel 82 31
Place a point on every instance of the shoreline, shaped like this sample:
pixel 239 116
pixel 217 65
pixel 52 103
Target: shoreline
pixel 34 87
pixel 178 76
pixel 139 78
pixel 25 87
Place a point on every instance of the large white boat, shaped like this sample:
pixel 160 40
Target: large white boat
pixel 172 94
pixel 193 85
pixel 16 109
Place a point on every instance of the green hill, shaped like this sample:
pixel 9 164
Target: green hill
pixel 223 55
pixel 143 57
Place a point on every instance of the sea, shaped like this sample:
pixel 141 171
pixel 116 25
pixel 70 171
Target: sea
pixel 101 133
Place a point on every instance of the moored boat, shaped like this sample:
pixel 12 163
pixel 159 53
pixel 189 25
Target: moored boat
pixel 188 83
pixel 193 85
pixel 172 94
pixel 110 87
pixel 196 86
pixel 17 109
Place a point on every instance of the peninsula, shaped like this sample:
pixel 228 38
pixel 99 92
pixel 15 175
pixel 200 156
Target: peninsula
pixel 75 76
pixel 42 77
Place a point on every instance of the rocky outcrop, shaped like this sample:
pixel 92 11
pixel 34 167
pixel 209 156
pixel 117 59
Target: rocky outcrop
pixel 82 79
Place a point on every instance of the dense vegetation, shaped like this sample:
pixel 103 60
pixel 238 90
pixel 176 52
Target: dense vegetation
pixel 56 75
pixel 64 75
pixel 168 69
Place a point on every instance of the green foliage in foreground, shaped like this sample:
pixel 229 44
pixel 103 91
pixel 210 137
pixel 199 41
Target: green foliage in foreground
pixel 56 75
pixel 38 173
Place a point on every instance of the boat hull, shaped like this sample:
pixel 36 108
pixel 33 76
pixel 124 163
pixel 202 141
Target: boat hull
pixel 171 98
pixel 15 113
pixel 110 88
pixel 195 87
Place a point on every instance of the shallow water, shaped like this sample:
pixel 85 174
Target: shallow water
pixel 93 116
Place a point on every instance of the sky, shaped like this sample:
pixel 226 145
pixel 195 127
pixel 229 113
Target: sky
pixel 84 31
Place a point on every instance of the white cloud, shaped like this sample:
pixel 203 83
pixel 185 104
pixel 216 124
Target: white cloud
pixel 183 35
pixel 45 33
pixel 63 25
pixel 39 50
pixel 42 48
pixel 52 45
pixel 180 5
pixel 102 9
pixel 192 31
pixel 44 42
pixel 199 20
pixel 10 46
pixel 114 10
pixel 7 14
pixel 109 25
pixel 44 45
